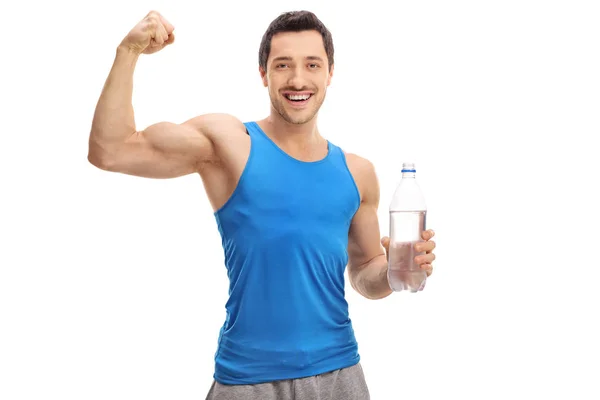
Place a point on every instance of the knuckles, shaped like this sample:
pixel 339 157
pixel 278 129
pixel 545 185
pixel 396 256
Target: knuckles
pixel 152 23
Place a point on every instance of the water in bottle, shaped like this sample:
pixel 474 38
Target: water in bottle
pixel 407 221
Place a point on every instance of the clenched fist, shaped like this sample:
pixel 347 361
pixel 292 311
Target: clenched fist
pixel 150 35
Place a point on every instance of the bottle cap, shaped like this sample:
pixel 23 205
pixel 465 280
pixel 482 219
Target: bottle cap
pixel 408 167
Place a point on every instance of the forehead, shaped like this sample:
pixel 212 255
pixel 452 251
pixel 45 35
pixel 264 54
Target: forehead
pixel 297 44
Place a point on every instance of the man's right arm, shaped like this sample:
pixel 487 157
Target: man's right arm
pixel 164 149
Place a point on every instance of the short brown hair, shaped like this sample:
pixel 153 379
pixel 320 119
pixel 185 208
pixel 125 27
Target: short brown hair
pixel 294 21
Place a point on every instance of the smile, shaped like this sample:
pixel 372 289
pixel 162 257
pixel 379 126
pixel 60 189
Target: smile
pixel 298 99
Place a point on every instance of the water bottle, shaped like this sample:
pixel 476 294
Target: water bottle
pixel 407 222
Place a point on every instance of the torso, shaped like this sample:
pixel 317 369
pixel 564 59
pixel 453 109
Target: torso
pixel 284 218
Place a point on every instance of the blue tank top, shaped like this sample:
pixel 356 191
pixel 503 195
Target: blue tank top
pixel 284 232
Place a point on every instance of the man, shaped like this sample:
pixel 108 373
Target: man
pixel 293 211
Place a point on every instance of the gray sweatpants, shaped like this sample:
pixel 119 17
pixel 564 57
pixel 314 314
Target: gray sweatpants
pixel 342 384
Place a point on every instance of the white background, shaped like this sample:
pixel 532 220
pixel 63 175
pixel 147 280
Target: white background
pixel 113 287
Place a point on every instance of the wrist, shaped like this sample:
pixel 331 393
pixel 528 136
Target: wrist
pixel 126 51
pixel 373 281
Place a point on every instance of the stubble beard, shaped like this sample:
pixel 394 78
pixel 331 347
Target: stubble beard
pixel 280 108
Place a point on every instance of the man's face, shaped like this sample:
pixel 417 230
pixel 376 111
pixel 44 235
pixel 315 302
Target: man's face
pixel 297 75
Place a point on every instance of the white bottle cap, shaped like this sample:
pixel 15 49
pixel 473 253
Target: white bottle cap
pixel 408 167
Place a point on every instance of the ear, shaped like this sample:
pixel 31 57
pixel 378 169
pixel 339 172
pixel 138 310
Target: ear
pixel 263 76
pixel 330 75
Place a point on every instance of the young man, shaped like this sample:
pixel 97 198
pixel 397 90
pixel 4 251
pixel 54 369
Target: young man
pixel 293 211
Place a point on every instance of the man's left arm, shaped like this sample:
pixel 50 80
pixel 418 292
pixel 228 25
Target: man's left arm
pixel 368 263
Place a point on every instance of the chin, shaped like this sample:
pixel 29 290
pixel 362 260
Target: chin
pixel 298 120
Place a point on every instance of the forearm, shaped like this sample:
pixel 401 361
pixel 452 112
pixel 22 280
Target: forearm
pixel 113 120
pixel 371 280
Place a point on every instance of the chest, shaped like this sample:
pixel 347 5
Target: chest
pixel 320 194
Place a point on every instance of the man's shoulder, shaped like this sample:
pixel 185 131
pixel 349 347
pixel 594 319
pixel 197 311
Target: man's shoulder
pixel 364 174
pixel 217 126
pixel 359 164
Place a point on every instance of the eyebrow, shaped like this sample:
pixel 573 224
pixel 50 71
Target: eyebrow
pixel 285 58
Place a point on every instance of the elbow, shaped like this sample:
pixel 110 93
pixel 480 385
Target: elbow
pixel 371 290
pixel 102 161
pixel 99 157
pixel 379 296
pixel 374 295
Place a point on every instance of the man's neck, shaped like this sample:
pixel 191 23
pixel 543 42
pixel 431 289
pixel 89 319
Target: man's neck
pixel 296 135
pixel 299 140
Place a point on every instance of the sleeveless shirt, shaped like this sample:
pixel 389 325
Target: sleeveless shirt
pixel 284 232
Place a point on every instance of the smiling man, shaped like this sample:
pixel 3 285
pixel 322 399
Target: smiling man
pixel 293 210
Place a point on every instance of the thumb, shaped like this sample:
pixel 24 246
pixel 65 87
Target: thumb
pixel 171 38
pixel 385 242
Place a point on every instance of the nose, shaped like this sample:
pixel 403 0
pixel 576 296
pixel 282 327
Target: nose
pixel 296 79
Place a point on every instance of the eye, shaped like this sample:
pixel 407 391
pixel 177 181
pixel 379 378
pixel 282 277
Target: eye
pixel 313 66
pixel 279 66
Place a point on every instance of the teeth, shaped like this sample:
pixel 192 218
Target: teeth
pixel 298 96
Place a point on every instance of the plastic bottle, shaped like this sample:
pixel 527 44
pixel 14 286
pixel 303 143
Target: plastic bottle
pixel 408 213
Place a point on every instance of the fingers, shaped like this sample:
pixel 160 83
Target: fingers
pixel 168 27
pixel 161 29
pixel 162 33
pixel 428 269
pixel 159 38
pixel 425 259
pixel 171 38
pixel 427 247
pixel 428 234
